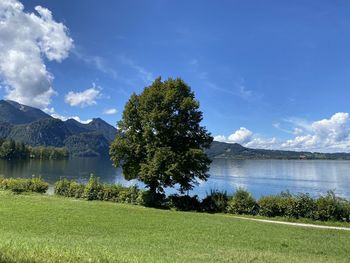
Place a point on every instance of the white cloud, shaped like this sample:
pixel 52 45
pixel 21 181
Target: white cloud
pixel 84 98
pixel 326 135
pixel 247 138
pixel 64 118
pixel 241 136
pixel 220 138
pixel 56 115
pixel 263 143
pixel 331 134
pixel 110 111
pixel 297 131
pixel 26 40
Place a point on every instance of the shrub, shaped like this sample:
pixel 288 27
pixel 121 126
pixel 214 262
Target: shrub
pixel 19 185
pixel 304 206
pixel 93 189
pixel 76 190
pixel 128 195
pixel 150 199
pixel 215 202
pixel 36 184
pixel 330 207
pixel 270 206
pixel 110 192
pixel 242 202
pixel 62 187
pixel 15 185
pixel 184 202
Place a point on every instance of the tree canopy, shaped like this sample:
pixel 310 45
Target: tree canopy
pixel 160 140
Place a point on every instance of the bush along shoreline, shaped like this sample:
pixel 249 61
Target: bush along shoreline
pixel 328 207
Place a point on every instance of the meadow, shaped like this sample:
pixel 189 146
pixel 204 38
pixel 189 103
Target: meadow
pixel 41 228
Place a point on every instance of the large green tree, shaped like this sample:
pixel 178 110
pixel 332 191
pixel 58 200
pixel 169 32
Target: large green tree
pixel 160 140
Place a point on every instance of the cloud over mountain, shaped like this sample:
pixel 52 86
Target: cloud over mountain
pixel 329 135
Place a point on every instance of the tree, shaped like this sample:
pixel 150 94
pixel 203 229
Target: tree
pixel 159 139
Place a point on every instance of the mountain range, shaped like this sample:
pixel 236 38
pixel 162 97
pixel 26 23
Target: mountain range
pixel 239 152
pixel 34 127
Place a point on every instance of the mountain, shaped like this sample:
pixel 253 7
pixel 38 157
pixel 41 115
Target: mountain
pixel 15 113
pixel 237 151
pixel 103 127
pixel 34 127
pixel 45 132
pixel 96 125
pixel 88 144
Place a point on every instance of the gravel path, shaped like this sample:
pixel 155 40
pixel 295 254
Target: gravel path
pixel 294 224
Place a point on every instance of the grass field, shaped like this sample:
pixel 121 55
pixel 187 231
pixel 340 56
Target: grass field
pixel 38 228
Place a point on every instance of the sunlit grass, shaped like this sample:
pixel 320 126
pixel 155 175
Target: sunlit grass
pixel 37 228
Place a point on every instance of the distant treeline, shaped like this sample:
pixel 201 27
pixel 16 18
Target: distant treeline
pixel 11 150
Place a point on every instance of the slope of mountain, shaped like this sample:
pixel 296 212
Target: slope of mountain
pixel 88 144
pixel 76 127
pixel 237 151
pixel 96 125
pixel 34 127
pixel 45 132
pixel 103 127
pixel 15 113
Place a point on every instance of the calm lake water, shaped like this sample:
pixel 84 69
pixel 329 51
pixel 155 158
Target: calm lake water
pixel 261 177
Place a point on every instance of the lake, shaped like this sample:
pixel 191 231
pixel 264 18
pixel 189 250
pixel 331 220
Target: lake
pixel 260 177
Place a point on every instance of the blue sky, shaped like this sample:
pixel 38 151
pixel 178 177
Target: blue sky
pixel 271 74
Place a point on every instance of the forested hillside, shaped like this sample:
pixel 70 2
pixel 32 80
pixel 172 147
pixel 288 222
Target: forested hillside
pixel 33 127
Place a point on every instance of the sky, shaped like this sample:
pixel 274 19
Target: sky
pixel 268 74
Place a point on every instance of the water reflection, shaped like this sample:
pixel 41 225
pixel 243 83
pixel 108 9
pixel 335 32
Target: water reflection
pixel 261 177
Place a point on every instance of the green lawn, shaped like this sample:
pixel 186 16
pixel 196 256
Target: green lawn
pixel 37 228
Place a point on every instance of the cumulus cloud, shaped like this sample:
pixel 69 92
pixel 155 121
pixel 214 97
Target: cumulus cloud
pixel 110 111
pixel 247 138
pixel 326 135
pixel 26 40
pixel 84 98
pixel 243 135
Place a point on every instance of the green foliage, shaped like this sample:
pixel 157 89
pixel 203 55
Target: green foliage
pixel 93 189
pixel 325 208
pixel 160 140
pixel 43 132
pixel 87 144
pixel 304 206
pixel 242 202
pixel 19 185
pixel 184 202
pixel 10 150
pixel 331 207
pixel 69 188
pixel 48 153
pixel 215 202
pixel 151 199
pixel 275 205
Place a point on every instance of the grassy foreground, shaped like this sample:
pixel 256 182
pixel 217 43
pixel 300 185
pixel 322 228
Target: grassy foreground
pixel 39 228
